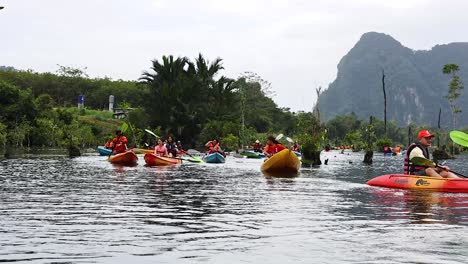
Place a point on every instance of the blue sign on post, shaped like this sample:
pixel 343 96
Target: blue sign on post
pixel 81 99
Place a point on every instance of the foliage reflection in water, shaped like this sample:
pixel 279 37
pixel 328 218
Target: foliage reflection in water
pixel 85 210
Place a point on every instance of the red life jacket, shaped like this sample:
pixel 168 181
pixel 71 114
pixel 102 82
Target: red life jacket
pixel 408 167
pixel 120 144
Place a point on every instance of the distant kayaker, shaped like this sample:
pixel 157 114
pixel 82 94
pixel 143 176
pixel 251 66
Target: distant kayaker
pixel 160 149
pixel 109 143
pixel 213 147
pixel 119 143
pixel 180 149
pixel 420 149
pixel 171 147
pixel 272 147
pixel 295 147
pixel 257 146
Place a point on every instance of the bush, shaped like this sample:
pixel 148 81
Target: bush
pixel 383 142
pixel 230 142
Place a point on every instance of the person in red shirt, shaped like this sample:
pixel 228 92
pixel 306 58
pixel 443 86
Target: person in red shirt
pixel 272 147
pixel 119 142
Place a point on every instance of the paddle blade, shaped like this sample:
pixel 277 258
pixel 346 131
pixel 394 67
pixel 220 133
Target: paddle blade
pixel 124 127
pixel 289 140
pixel 280 136
pixel 459 137
pixel 423 162
pixel 151 132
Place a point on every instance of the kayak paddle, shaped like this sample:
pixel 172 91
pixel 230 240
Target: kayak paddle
pixel 461 138
pixel 195 158
pixel 151 132
pixel 280 136
pixel 429 163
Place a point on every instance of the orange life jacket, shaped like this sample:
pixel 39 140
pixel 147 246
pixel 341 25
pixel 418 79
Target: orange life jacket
pixel 120 144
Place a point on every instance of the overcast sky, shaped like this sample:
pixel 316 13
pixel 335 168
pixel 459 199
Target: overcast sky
pixel 294 44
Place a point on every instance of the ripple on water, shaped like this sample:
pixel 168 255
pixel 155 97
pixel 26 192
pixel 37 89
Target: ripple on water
pixel 85 210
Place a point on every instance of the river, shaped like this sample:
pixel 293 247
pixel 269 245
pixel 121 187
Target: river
pixel 84 210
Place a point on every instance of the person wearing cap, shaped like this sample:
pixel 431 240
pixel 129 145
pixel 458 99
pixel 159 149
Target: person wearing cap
pixel 257 146
pixel 421 149
pixel 119 142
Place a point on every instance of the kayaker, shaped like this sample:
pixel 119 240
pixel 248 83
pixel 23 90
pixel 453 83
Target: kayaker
pixel 420 149
pixel 109 143
pixel 213 147
pixel 119 142
pixel 160 149
pixel 257 146
pixel 295 147
pixel 171 147
pixel 180 148
pixel 272 147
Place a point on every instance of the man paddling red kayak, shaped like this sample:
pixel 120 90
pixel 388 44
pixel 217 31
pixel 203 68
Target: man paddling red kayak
pixel 420 150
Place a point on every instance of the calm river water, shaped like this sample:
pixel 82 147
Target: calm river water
pixel 84 210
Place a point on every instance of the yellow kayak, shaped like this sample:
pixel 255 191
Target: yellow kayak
pixel 285 161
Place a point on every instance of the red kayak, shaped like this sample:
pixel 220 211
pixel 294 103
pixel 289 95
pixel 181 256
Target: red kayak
pixel 401 181
pixel 126 158
pixel 152 159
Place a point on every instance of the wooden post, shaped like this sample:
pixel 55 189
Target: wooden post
pixel 385 102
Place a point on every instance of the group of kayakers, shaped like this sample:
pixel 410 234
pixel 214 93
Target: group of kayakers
pixel 167 148
pixel 170 148
pixel 118 144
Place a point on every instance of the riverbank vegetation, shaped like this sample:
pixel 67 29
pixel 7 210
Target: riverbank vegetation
pixel 188 99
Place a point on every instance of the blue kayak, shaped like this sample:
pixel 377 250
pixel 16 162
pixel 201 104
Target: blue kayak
pixel 103 151
pixel 298 154
pixel 252 154
pixel 214 158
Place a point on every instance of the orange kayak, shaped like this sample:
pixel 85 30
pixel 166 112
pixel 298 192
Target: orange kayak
pixel 126 158
pixel 401 181
pixel 152 159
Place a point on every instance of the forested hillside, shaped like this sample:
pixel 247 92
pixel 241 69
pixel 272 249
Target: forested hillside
pixel 415 85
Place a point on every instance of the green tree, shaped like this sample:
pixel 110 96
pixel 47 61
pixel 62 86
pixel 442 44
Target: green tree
pixel 455 88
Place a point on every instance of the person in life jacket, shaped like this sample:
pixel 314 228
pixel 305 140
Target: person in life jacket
pixel 420 149
pixel 171 147
pixel 180 149
pixel 257 146
pixel 295 147
pixel 272 147
pixel 119 143
pixel 387 149
pixel 160 149
pixel 213 146
pixel 109 144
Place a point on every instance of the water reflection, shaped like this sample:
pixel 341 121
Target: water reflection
pixel 55 209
